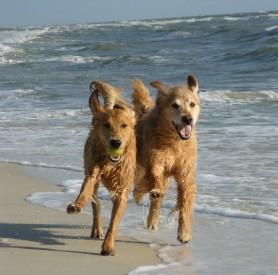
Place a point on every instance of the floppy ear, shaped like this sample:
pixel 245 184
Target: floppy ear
pixel 111 95
pixel 94 103
pixel 162 88
pixel 192 83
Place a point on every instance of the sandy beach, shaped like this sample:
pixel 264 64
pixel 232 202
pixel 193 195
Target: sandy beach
pixel 39 240
pixel 45 73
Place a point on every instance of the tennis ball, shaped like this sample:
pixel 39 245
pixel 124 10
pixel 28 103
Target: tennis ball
pixel 115 153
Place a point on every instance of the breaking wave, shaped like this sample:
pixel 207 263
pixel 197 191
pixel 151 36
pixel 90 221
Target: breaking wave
pixel 228 96
pixel 272 28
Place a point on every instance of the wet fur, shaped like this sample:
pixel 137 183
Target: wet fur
pixel 99 168
pixel 162 154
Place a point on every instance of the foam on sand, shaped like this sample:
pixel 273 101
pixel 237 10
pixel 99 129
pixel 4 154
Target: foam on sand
pixel 154 269
pixel 44 165
pixel 59 200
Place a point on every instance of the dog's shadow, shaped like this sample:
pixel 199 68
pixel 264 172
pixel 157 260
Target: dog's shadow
pixel 44 234
pixel 40 233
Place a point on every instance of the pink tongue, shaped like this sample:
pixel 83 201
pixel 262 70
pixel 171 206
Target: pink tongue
pixel 186 131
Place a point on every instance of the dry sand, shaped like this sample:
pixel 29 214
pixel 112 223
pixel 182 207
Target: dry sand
pixel 39 240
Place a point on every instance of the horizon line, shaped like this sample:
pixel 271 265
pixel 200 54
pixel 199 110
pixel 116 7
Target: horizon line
pixel 141 19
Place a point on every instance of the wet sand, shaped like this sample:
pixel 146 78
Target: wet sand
pixel 38 240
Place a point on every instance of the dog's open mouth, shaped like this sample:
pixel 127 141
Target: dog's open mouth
pixel 115 159
pixel 183 130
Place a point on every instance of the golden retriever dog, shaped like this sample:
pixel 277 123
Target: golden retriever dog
pixel 166 147
pixel 109 158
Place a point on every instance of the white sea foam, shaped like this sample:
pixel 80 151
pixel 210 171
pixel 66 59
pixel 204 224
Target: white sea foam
pixel 5 49
pixel 170 255
pixel 36 114
pixel 5 60
pixel 12 39
pixel 25 35
pixel 201 19
pixel 92 59
pixel 78 59
pixel 4 94
pixel 155 269
pixel 61 114
pixel 226 212
pixel 62 49
pixel 43 165
pixel 73 186
pixel 272 28
pixel 156 59
pixel 154 24
pixel 234 18
pixel 57 200
pixel 273 15
pixel 180 34
pixel 229 96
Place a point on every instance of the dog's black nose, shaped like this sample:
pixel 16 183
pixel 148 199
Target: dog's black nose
pixel 115 143
pixel 186 120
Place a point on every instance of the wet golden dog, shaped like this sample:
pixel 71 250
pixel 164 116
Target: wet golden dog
pixel 109 158
pixel 166 147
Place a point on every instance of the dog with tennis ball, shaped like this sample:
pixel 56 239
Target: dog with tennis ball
pixel 109 159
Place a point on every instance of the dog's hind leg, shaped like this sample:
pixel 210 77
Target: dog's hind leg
pixel 97 230
pixel 86 192
pixel 119 206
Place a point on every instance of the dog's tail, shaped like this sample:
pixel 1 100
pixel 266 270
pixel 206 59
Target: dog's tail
pixel 142 100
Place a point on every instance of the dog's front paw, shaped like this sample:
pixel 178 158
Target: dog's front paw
pixel 74 208
pixel 152 227
pixel 156 194
pixel 184 237
pixel 107 249
pixel 152 221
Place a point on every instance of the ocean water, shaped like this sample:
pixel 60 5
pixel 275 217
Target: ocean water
pixel 44 116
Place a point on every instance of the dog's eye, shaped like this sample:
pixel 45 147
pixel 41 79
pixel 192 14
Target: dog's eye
pixel 192 104
pixel 124 125
pixel 175 105
pixel 107 125
pixel 117 106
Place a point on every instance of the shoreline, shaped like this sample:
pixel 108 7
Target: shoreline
pixel 35 238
